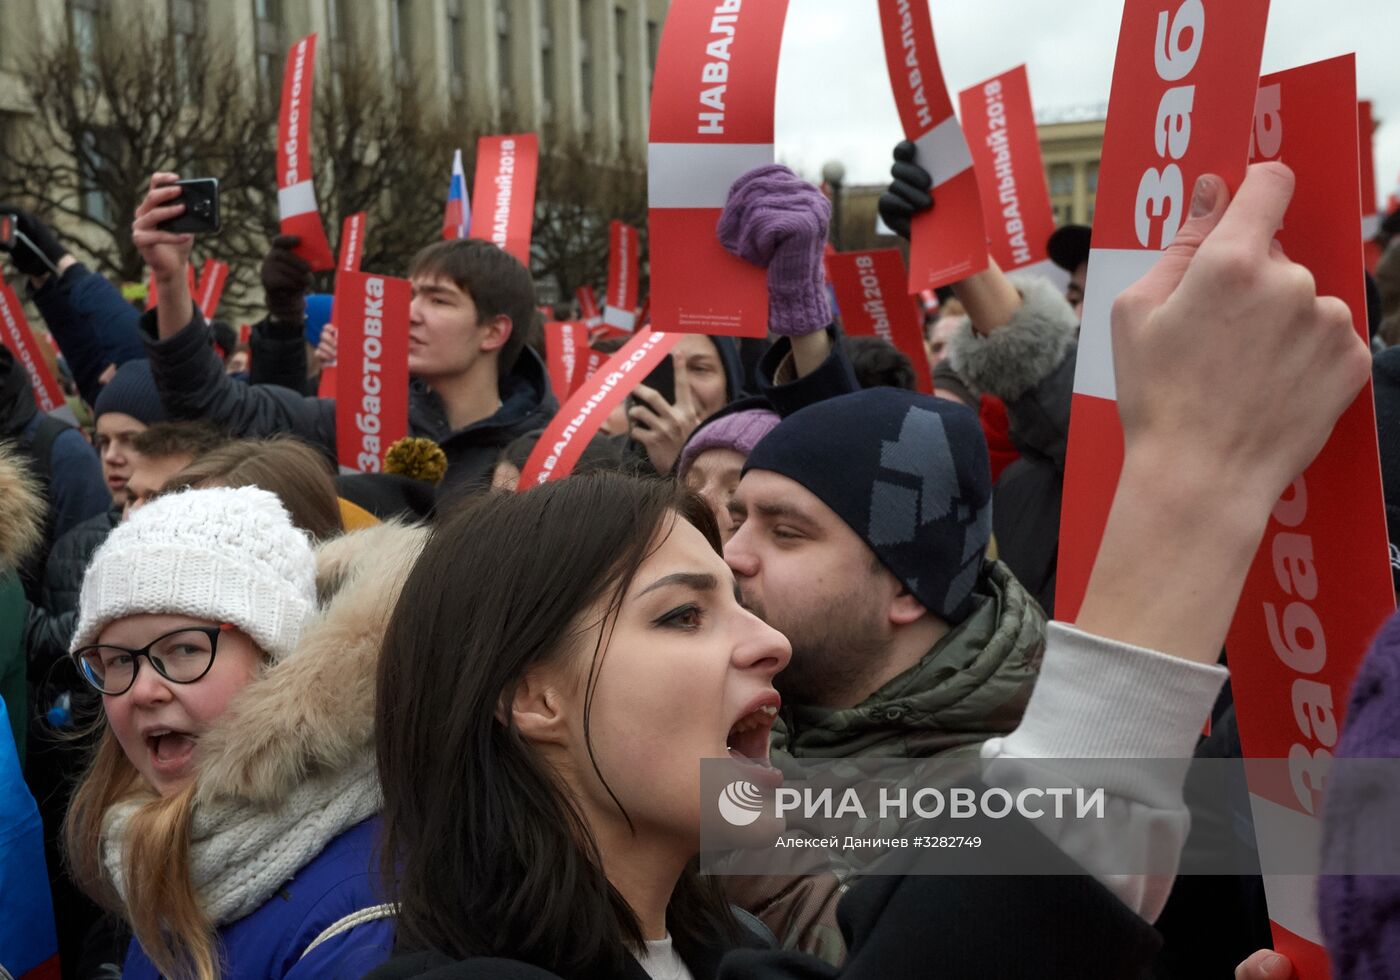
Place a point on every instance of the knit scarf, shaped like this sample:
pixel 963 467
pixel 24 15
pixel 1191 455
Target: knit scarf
pixel 241 854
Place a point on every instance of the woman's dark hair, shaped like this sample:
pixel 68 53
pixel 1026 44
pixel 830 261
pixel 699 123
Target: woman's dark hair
pixel 489 855
pixel 878 363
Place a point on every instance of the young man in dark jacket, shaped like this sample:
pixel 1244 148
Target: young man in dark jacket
pixel 475 386
pixel 94 327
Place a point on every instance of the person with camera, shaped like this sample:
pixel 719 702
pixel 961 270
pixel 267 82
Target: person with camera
pixel 475 384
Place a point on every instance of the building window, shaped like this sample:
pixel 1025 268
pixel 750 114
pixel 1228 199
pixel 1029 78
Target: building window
pixel 186 25
pixel 267 35
pixel 547 77
pixel 399 39
pixel 585 57
pixel 1061 179
pixel 92 161
pixel 456 50
pixel 504 62
pixel 85 21
pixel 338 23
pixel 620 79
pixel 1091 177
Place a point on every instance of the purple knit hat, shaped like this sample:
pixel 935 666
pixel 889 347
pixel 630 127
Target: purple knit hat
pixel 739 431
pixel 1357 912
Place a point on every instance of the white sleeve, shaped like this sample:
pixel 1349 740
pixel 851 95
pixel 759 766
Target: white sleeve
pixel 1100 699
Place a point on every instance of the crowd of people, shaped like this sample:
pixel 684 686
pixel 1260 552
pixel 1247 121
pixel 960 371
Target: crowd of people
pixel 268 720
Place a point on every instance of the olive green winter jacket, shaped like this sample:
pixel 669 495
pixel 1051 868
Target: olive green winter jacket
pixel 973 685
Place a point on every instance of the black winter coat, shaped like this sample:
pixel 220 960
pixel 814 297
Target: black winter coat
pixel 193 385
pixel 1061 926
pixel 50 626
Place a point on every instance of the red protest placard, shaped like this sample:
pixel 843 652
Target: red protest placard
pixel 563 340
pixel 870 294
pixel 711 123
pixel 1181 104
pixel 371 405
pixel 947 243
pixel 999 123
pixel 352 242
pixel 590 367
pixel 504 192
pixel 296 195
pixel 352 246
pixel 1320 585
pixel 19 338
pixel 580 418
pixel 623 266
pixel 210 289
pixel 588 305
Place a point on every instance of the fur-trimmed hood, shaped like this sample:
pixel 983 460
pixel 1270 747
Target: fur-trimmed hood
pixel 22 508
pixel 1024 351
pixel 313 710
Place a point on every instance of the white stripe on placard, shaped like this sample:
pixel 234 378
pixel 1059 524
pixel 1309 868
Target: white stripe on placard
pixel 297 199
pixel 1370 227
pixel 943 152
pixel 1292 898
pixel 1045 269
pixel 698 175
pixel 622 319
pixel 1111 270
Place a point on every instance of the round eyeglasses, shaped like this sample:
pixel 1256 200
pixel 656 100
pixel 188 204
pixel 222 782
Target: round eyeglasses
pixel 181 656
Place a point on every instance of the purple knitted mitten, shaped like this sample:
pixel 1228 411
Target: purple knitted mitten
pixel 777 221
pixel 1358 912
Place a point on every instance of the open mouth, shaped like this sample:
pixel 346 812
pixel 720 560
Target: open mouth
pixel 170 750
pixel 748 737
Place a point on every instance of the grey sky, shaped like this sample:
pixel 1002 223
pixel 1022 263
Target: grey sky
pixel 834 97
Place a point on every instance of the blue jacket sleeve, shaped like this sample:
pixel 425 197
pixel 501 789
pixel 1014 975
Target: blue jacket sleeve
pixel 192 384
pixel 76 488
pixel 778 383
pixel 351 954
pixel 91 323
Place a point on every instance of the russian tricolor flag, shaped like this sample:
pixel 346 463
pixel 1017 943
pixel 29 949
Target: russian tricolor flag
pixel 458 217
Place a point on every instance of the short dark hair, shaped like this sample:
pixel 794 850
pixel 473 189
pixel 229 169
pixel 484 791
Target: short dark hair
pixel 495 280
pixel 165 439
pixel 878 363
pixel 487 852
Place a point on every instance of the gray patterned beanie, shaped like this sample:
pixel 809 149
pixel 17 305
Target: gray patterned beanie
pixel 908 472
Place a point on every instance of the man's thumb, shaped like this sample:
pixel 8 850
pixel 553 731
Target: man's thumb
pixel 1209 199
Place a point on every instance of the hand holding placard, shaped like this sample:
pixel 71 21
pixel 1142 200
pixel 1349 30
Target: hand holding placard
pixel 777 221
pixel 948 243
pixel 1202 412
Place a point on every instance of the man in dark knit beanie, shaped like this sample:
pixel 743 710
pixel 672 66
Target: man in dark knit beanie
pixel 126 406
pixel 865 524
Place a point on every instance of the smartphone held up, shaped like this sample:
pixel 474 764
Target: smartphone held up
pixel 200 196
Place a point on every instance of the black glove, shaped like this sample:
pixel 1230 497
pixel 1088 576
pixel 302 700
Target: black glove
pixel 286 278
pixel 908 193
pixel 29 256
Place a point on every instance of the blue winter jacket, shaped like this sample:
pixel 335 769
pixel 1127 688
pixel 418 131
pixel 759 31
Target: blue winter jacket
pixel 91 324
pixel 273 941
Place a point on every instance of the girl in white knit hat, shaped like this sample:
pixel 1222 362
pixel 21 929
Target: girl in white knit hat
pixel 229 812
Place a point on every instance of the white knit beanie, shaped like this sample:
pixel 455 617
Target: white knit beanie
pixel 230 555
